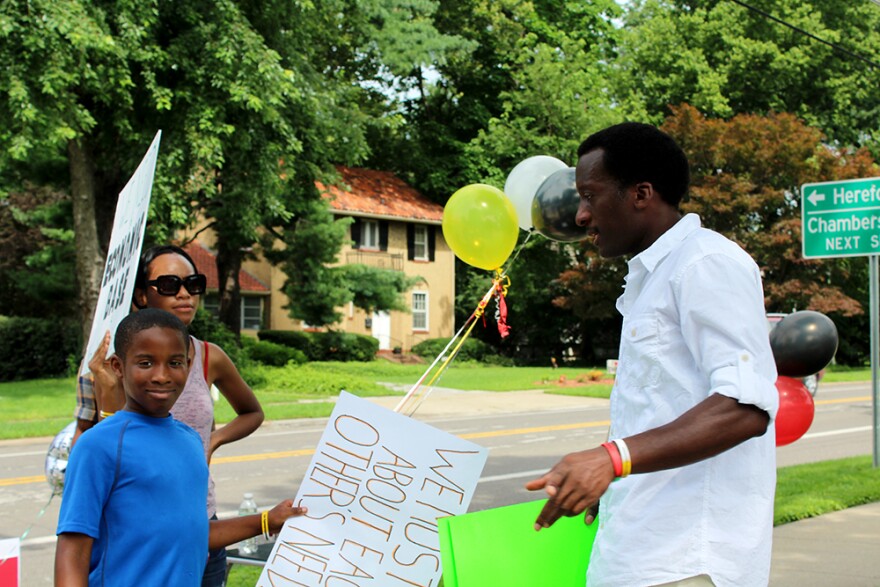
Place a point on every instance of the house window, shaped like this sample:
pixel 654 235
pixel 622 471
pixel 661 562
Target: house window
pixel 420 242
pixel 251 311
pixel 420 310
pixel 370 234
pixel 212 303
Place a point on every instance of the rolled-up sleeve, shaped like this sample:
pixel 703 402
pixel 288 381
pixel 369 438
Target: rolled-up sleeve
pixel 742 383
pixel 726 331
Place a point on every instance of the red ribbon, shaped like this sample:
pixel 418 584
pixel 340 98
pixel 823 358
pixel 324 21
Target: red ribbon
pixel 503 328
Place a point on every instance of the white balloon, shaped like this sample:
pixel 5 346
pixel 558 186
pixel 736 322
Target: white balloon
pixel 523 182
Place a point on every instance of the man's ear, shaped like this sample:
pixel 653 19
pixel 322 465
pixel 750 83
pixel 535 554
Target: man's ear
pixel 644 194
pixel 139 299
pixel 116 365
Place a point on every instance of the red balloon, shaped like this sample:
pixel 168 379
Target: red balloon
pixel 796 410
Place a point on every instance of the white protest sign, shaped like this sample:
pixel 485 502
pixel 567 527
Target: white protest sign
pixel 375 488
pixel 10 562
pixel 114 301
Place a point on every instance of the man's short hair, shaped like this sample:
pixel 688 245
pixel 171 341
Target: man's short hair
pixel 636 152
pixel 142 320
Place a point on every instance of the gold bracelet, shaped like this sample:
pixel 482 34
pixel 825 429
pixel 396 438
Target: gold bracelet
pixel 264 524
pixel 106 414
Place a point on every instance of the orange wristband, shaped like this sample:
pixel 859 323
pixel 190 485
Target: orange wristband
pixel 616 461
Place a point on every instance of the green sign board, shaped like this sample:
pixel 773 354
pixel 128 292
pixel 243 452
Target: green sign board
pixel 841 218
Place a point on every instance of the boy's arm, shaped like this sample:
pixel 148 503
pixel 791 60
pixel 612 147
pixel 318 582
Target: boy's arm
pixel 72 554
pixel 226 532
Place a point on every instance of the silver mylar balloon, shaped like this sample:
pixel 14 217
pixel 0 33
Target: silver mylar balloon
pixel 555 207
pixel 56 458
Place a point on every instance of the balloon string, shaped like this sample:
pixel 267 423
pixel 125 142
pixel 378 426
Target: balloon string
pixel 441 370
pixel 500 277
pixel 469 324
pixel 30 527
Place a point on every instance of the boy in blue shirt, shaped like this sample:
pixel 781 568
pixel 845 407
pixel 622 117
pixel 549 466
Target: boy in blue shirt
pixel 133 509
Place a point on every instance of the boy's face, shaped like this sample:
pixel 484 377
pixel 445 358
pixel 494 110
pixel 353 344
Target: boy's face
pixel 154 371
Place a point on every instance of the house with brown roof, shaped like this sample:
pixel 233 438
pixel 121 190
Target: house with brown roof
pixel 394 228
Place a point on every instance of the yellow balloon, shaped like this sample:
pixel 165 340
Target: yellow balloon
pixel 480 225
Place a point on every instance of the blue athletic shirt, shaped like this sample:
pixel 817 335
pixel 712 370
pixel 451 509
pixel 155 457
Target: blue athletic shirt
pixel 138 486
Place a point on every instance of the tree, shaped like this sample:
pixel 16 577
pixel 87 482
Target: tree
pixel 72 79
pixel 745 178
pixel 530 83
pixel 37 269
pixel 725 59
pixel 252 114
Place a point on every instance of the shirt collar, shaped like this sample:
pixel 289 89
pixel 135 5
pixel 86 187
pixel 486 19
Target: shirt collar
pixel 668 241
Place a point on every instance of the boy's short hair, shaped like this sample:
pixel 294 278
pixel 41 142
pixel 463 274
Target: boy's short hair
pixel 142 320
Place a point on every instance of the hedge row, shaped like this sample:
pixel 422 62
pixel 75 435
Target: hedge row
pixel 36 347
pixel 325 346
pixel 472 350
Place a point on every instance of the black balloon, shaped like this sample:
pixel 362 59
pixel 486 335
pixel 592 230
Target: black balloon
pixel 555 206
pixel 803 343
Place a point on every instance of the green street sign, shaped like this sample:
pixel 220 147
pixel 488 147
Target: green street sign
pixel 841 218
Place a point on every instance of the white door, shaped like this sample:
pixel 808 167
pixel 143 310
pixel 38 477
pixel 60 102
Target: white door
pixel 382 330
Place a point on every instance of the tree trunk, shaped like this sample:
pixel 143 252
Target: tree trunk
pixel 89 256
pixel 228 267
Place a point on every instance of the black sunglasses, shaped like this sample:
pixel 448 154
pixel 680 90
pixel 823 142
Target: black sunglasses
pixel 169 285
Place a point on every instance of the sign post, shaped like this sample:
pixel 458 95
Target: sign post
pixel 842 219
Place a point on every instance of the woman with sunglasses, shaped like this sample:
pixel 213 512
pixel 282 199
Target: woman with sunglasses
pixel 167 279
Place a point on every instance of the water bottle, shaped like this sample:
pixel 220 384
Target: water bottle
pixel 248 507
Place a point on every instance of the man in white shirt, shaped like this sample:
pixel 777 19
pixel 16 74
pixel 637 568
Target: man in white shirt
pixel 688 479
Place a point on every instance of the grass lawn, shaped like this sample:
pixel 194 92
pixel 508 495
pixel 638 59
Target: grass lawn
pixel 38 407
pixel 802 491
pixel 42 407
pixel 838 374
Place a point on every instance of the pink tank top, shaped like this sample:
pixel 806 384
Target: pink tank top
pixel 195 408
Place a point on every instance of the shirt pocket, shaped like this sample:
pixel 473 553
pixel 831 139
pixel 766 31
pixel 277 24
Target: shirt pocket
pixel 640 351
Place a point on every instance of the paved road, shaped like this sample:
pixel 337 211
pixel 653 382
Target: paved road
pixel 525 432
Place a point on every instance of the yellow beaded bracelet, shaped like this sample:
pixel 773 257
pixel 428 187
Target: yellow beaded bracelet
pixel 106 414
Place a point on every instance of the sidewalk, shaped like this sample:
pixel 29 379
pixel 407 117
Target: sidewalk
pixel 839 549
pixel 836 549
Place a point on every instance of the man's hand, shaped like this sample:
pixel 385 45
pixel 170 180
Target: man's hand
pixel 574 485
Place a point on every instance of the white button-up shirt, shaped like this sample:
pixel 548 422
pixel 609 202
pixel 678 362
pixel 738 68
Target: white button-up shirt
pixel 693 325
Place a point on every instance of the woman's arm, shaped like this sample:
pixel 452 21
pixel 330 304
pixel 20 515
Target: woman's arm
pixel 249 413
pixel 72 554
pixel 109 395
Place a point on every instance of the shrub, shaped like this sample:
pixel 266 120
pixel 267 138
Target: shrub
pixel 274 354
pixel 325 346
pixel 36 347
pixel 344 346
pixel 205 326
pixel 472 350
pixel 301 341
